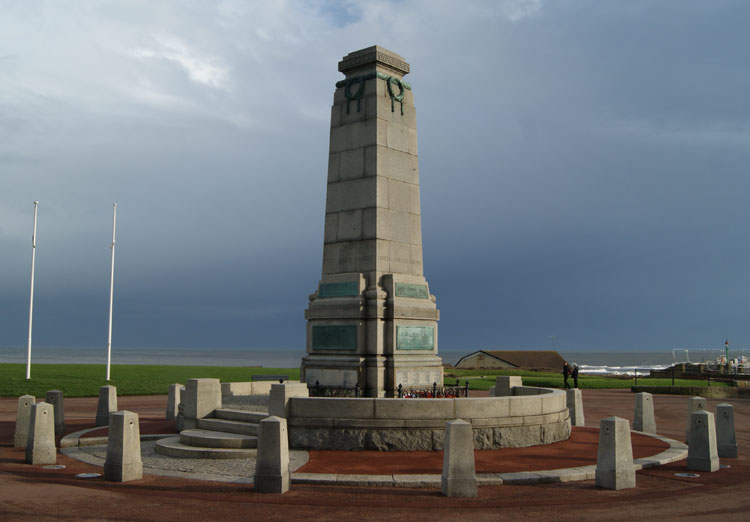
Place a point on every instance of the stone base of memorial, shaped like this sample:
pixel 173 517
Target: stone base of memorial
pixel 530 417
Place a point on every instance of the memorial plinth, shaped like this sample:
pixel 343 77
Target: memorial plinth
pixel 372 321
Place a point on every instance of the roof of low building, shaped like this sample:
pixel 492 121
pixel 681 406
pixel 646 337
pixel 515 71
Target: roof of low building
pixel 524 358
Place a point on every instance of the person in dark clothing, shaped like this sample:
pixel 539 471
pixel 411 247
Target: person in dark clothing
pixel 566 374
pixel 574 374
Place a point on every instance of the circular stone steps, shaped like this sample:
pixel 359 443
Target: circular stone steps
pixel 172 447
pixel 217 439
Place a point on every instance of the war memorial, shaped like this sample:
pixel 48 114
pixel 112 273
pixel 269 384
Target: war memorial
pixel 372 336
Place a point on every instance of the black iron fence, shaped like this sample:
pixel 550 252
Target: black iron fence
pixel 434 392
pixel 319 390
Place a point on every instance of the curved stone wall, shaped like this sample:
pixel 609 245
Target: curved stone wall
pixel 530 417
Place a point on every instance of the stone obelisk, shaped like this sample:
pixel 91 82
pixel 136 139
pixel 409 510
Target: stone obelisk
pixel 372 321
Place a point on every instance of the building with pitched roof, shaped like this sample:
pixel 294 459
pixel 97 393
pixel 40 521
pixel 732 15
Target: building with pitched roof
pixel 510 359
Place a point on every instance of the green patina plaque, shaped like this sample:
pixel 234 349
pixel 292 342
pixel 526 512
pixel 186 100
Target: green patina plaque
pixel 415 337
pixel 338 337
pixel 346 289
pixel 411 290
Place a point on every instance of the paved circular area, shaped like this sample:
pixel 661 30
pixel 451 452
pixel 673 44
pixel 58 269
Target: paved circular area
pixel 32 493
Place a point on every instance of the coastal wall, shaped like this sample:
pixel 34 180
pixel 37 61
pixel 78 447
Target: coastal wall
pixel 530 417
pixel 715 392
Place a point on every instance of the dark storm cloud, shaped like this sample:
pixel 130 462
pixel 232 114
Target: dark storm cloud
pixel 584 168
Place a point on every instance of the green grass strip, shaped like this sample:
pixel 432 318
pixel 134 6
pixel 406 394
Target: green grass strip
pixel 484 379
pixel 84 380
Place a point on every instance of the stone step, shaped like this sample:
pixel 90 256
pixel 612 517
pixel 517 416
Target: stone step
pixel 253 417
pixel 172 447
pixel 217 439
pixel 228 426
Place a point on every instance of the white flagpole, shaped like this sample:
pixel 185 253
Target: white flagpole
pixel 111 290
pixel 31 294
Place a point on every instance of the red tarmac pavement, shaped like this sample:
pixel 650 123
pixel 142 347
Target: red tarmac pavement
pixel 33 493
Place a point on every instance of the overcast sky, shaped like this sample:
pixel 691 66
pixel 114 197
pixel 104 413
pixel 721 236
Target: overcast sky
pixel 584 167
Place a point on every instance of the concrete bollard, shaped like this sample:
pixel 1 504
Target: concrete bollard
pixel 574 399
pixel 643 419
pixel 726 439
pixel 40 444
pixel 278 401
pixel 173 401
pixel 694 404
pixel 272 461
pixel 459 478
pixel 200 398
pixel 702 451
pixel 55 398
pixel 23 417
pixel 123 462
pixel 504 385
pixel 107 404
pixel 614 458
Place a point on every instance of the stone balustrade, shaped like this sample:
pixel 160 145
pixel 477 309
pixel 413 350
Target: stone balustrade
pixel 529 417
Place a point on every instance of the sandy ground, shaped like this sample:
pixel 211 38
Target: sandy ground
pixel 33 493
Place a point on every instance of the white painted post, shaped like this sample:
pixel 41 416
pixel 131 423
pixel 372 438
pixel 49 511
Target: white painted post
pixel 31 293
pixel 111 290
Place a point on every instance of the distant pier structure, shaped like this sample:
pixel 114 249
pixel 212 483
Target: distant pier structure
pixel 372 322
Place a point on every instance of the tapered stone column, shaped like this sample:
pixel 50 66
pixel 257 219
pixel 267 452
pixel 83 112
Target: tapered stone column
pixel 372 320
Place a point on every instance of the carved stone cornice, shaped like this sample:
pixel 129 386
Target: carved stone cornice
pixel 376 55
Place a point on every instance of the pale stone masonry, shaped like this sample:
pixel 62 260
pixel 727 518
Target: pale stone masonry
pixel 272 463
pixel 372 321
pixel 702 450
pixel 40 442
pixel 23 417
pixel 278 401
pixel 107 404
pixel 459 477
pixel 56 399
pixel 726 438
pixel 200 398
pixel 173 400
pixel 123 462
pixel 643 419
pixel 696 403
pixel 574 401
pixel 614 458
pixel 504 385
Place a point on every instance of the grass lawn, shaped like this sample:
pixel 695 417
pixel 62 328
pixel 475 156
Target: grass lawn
pixel 84 380
pixel 484 379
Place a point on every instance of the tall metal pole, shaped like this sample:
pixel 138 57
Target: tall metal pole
pixel 111 290
pixel 31 293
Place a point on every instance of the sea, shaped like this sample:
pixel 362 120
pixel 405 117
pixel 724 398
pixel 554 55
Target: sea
pixel 589 362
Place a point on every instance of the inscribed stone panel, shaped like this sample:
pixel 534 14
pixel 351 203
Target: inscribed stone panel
pixel 334 337
pixel 415 337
